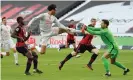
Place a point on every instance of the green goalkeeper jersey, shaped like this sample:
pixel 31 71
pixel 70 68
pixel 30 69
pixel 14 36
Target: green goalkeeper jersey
pixel 105 34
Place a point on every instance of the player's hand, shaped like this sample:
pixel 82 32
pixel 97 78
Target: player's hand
pixel 83 30
pixel 86 32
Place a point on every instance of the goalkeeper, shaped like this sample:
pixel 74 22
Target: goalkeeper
pixel 108 39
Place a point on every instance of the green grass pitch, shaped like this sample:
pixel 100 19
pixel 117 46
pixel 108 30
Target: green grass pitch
pixel 74 69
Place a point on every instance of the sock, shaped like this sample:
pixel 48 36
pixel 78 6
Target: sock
pixel 69 56
pixel 38 48
pixel 16 57
pixel 106 64
pixel 62 46
pixel 3 53
pixel 93 58
pixel 29 61
pixel 35 62
pixel 119 65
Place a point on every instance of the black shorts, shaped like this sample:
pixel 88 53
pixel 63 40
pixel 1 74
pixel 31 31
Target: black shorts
pixel 70 42
pixel 82 48
pixel 23 50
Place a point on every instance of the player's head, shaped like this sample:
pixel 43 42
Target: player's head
pixel 104 23
pixel 4 20
pixel 52 9
pixel 72 21
pixel 20 20
pixel 93 21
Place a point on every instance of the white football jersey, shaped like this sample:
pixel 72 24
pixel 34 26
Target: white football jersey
pixel 46 22
pixel 5 32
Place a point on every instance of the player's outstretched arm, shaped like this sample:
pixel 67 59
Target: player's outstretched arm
pixel 93 28
pixel 93 32
pixel 34 19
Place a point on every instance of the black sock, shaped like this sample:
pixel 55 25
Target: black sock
pixel 29 61
pixel 62 46
pixel 1 56
pixel 35 62
pixel 93 58
pixel 69 56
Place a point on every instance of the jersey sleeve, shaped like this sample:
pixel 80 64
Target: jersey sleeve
pixel 59 24
pixel 94 32
pixel 36 18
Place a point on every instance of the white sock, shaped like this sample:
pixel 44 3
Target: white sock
pixel 125 69
pixel 109 73
pixel 3 53
pixel 16 57
pixel 38 48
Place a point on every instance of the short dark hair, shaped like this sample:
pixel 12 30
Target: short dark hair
pixel 93 19
pixel 106 22
pixel 71 20
pixel 51 7
pixel 19 19
pixel 3 18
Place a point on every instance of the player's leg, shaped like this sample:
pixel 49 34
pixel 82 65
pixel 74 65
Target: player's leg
pixel 13 49
pixel 68 57
pixel 1 55
pixel 29 62
pixel 114 54
pixel 63 46
pixel 43 44
pixel 62 30
pixel 5 48
pixel 15 55
pixel 35 62
pixel 105 57
pixel 5 53
pixel 43 49
pixel 95 52
pixel 28 54
pixel 74 46
pixel 79 49
pixel 68 30
pixel 118 64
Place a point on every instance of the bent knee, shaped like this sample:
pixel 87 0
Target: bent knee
pixel 96 51
pixel 74 53
pixel 112 62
